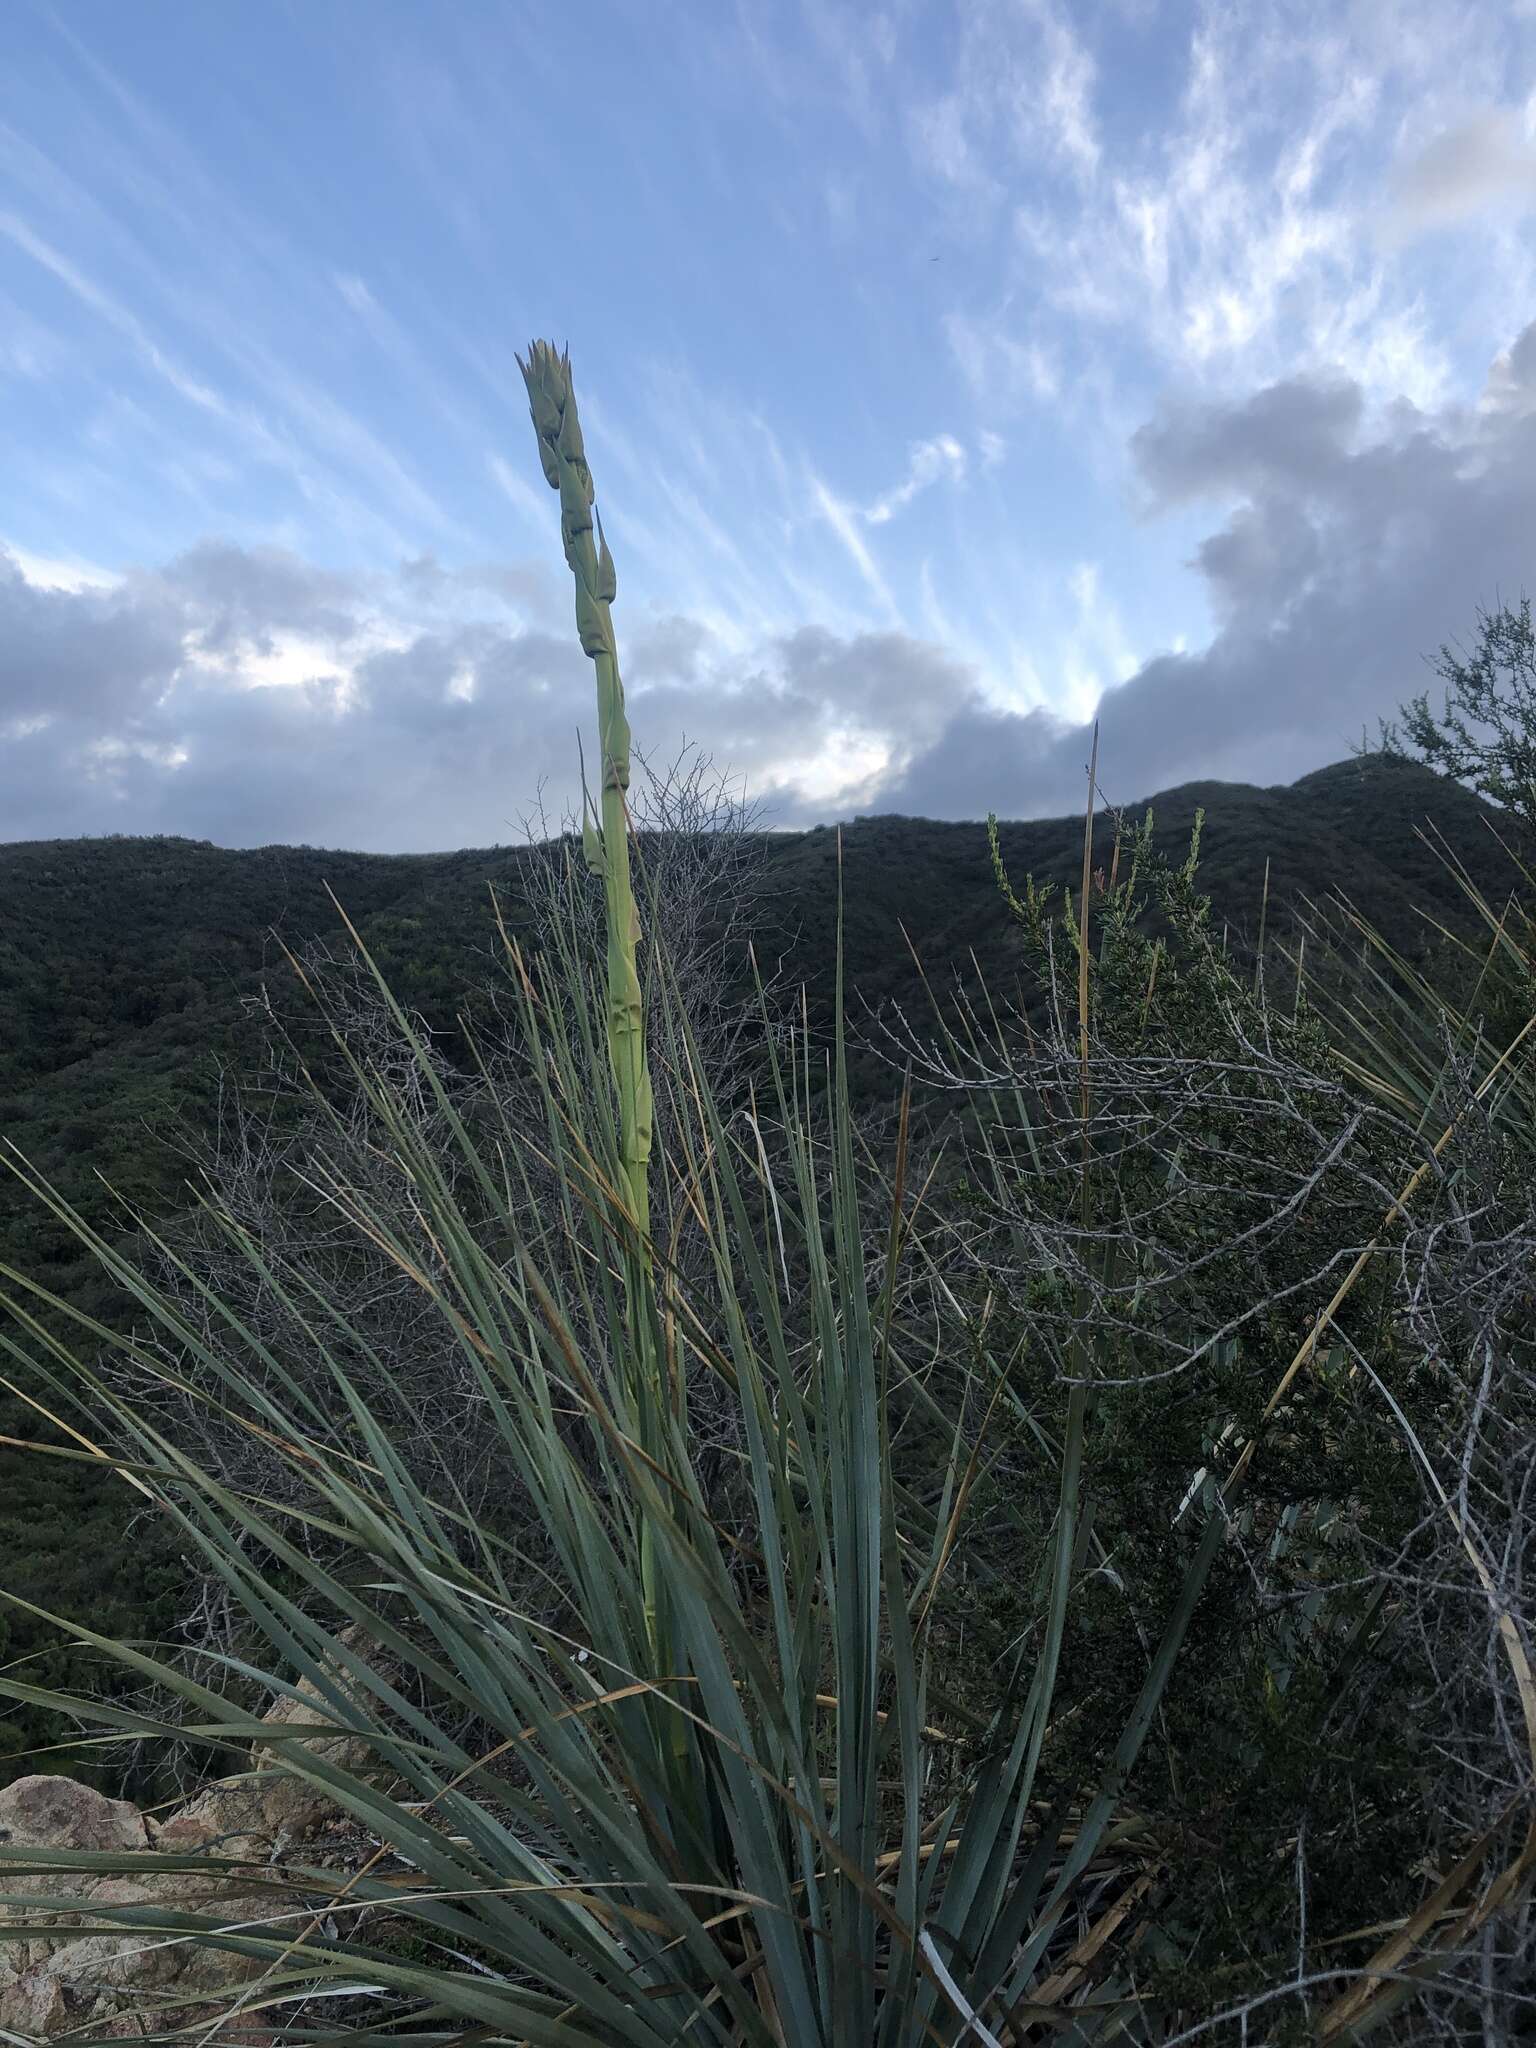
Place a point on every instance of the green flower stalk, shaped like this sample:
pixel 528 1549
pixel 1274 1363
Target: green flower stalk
pixel 552 403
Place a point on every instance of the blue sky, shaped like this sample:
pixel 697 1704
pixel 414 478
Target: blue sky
pixel 949 372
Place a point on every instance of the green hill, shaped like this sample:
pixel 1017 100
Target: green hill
pixel 126 963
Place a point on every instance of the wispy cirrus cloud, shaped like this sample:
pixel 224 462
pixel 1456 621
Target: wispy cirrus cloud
pixel 843 521
pixel 1020 90
pixel 928 461
pixel 1241 234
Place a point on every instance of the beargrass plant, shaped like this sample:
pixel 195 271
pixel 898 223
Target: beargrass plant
pixel 709 1767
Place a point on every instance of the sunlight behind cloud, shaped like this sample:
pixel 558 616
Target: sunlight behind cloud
pixel 46 572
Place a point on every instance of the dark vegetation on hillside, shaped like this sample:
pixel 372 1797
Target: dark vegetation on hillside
pixel 135 974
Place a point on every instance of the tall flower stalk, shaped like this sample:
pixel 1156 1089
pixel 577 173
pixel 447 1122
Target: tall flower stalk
pixel 552 403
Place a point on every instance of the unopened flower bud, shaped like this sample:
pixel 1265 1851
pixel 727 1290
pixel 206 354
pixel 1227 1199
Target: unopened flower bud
pixel 607 575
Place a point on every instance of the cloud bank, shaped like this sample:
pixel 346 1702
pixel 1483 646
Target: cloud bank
pixel 981 363
pixel 247 696
pixel 1348 552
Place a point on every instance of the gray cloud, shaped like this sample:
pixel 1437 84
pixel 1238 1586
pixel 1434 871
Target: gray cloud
pixel 529 588
pixel 1281 437
pixel 81 654
pixel 1344 545
pixel 1483 161
pixel 247 594
pixel 1347 558
pixel 134 709
pixel 1512 379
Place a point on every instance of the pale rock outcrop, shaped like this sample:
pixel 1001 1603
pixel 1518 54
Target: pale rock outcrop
pixel 117 1984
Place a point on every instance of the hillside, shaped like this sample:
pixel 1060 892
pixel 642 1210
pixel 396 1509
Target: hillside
pixel 127 965
pixel 1360 827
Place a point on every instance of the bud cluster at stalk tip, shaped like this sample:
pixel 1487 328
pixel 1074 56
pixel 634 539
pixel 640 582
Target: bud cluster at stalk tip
pixel 552 406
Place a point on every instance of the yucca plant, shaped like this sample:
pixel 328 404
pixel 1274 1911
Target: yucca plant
pixel 709 1767
pixel 796 1876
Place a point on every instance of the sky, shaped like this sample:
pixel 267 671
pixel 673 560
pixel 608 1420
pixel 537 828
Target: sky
pixel 952 372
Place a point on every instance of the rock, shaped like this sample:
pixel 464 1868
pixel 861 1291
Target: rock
pixel 117 1984
pixel 291 1806
pixel 56 1813
pixel 224 1820
pixel 53 1813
